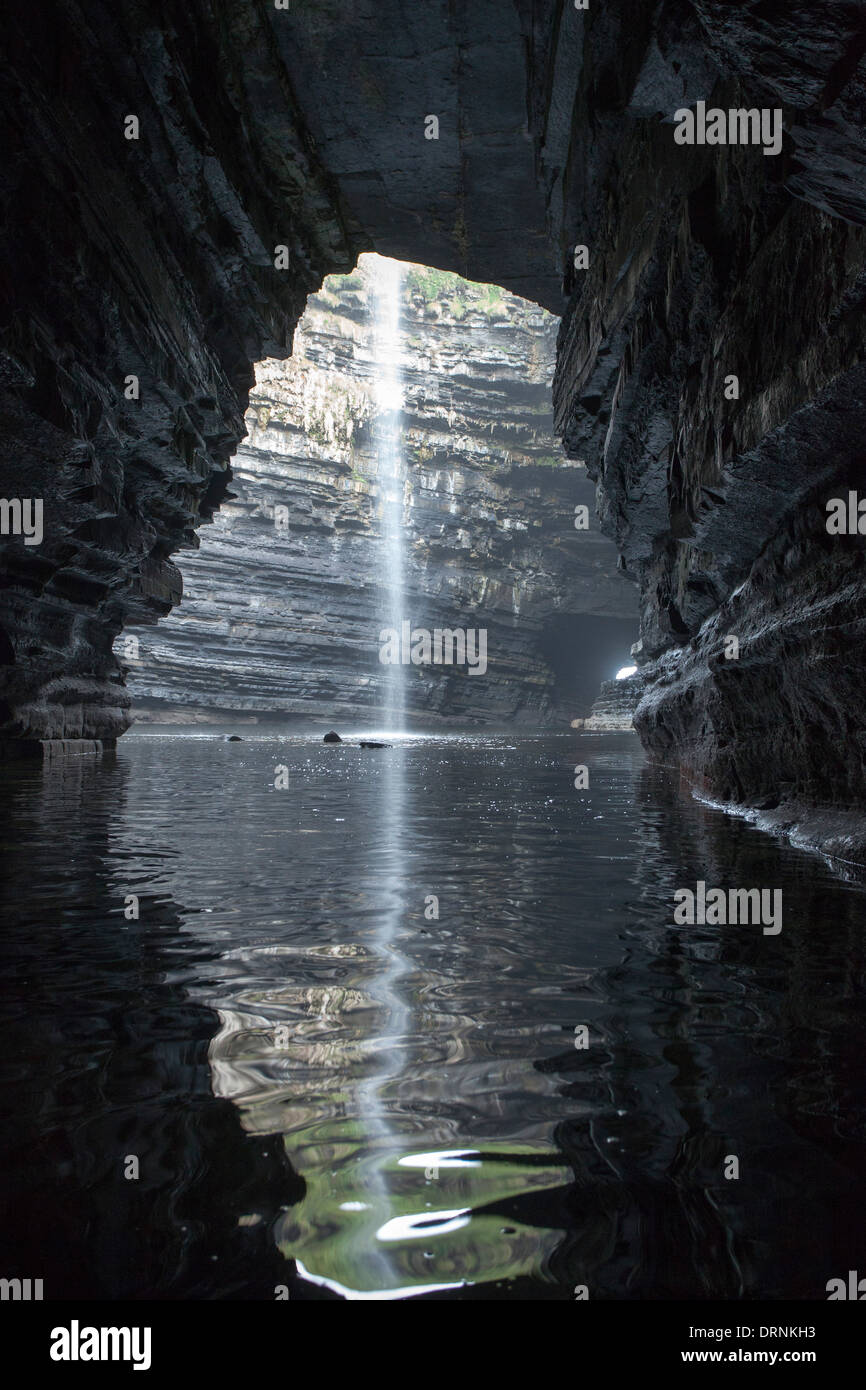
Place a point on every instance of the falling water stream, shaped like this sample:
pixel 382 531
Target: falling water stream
pixel 388 433
pixel 375 1224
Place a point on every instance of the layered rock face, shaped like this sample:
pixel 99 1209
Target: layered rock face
pixel 614 708
pixel 778 728
pixel 284 604
pixel 489 140
pixel 711 371
pixel 139 285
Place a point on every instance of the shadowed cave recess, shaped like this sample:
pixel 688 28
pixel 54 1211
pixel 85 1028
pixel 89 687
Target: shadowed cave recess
pixel 156 258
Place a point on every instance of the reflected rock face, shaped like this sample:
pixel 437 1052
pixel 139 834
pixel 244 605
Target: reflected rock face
pixel 318 1073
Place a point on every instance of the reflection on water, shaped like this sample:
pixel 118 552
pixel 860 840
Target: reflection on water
pixel 340 1037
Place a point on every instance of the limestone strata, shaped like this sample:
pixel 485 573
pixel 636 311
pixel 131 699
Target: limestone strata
pixel 278 622
pixel 614 708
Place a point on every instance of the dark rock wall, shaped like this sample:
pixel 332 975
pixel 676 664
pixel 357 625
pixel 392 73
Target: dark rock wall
pixel 780 728
pixel 280 621
pixel 151 258
pixel 369 74
pixel 707 262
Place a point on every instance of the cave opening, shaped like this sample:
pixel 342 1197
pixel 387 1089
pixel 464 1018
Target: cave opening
pixel 404 543
pixel 420 1016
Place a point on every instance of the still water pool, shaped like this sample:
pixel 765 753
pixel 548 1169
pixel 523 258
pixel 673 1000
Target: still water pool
pixel 340 1043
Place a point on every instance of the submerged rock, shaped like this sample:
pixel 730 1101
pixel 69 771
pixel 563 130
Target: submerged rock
pixel 234 738
pixel 332 737
pixel 366 743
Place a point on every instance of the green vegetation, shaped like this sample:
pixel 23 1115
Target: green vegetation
pixel 334 408
pixel 432 284
pixel 456 295
pixel 548 461
pixel 493 295
pixel 336 284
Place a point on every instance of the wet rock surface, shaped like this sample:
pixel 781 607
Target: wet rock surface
pixel 150 258
pixel 777 727
pixel 709 263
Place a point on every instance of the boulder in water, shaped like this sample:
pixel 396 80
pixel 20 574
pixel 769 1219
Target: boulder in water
pixel 234 738
pixel 368 744
pixel 332 737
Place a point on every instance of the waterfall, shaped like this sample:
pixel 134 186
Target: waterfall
pixel 387 288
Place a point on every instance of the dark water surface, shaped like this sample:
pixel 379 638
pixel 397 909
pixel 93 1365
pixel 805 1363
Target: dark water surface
pixel 327 1089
